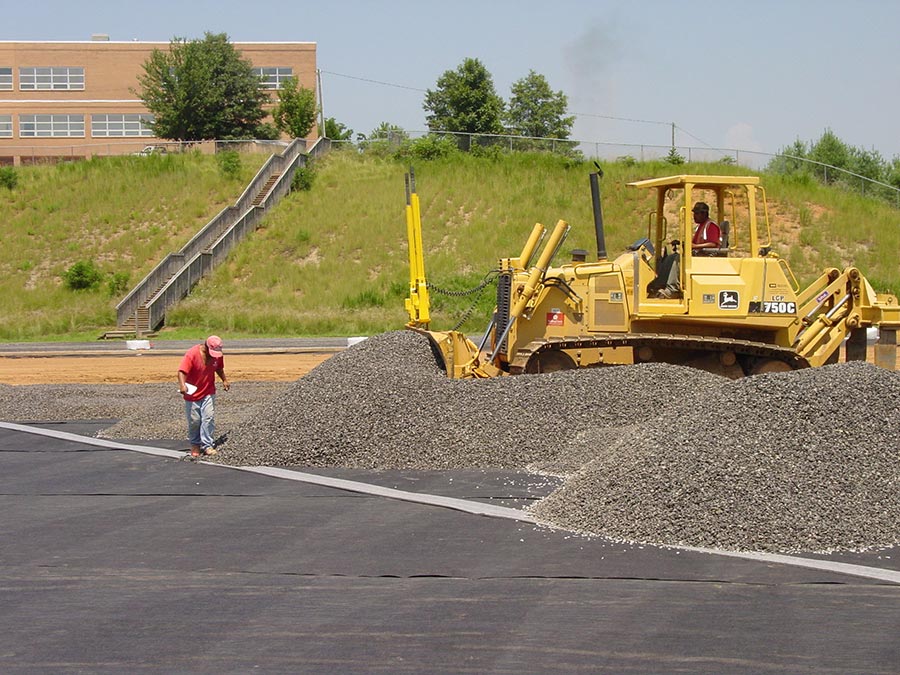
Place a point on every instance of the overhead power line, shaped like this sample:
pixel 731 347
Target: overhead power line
pixel 366 79
pixel 699 140
pixel 577 114
pixel 620 119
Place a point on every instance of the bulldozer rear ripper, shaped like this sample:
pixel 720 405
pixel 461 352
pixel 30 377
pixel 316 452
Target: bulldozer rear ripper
pixel 735 308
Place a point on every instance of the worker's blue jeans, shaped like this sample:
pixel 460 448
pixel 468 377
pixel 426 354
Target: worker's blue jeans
pixel 201 421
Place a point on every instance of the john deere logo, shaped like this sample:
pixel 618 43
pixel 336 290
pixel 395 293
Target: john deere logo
pixel 729 300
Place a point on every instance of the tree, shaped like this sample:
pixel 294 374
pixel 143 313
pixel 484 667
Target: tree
pixel 388 132
pixel 790 160
pixel 337 131
pixel 465 100
pixel 868 163
pixel 202 89
pixel 674 157
pixel 536 110
pixel 295 112
pixel 893 172
pixel 383 139
pixel 830 150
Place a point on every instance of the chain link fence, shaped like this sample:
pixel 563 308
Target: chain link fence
pixel 641 152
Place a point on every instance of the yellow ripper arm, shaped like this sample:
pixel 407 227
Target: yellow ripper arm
pixel 417 304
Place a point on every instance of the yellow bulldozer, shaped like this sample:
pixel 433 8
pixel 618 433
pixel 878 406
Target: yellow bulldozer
pixel 735 308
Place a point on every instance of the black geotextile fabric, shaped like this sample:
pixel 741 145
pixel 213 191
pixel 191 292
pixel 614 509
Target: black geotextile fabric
pixel 114 561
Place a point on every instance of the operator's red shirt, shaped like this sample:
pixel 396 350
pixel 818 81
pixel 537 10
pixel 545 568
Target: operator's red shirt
pixel 200 374
pixel 707 232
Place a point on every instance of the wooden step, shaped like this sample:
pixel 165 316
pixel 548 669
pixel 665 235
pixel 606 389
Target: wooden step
pixel 263 193
pixel 120 334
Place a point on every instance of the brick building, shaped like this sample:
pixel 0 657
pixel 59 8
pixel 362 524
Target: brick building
pixel 72 100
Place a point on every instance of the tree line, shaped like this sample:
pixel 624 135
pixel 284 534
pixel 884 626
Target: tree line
pixel 203 89
pixel 816 157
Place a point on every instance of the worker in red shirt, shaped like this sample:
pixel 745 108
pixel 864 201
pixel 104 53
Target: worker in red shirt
pixel 197 384
pixel 707 234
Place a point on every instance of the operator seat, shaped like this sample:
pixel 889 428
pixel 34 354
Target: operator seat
pixel 722 251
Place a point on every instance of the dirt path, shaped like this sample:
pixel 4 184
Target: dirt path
pixel 141 368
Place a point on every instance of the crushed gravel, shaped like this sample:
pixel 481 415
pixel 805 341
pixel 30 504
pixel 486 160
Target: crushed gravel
pixel 385 403
pixel 801 461
pixel 144 411
pixel 654 453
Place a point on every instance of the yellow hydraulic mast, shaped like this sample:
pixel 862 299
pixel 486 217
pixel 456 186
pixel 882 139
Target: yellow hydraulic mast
pixel 417 304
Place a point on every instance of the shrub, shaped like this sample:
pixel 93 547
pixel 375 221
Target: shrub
pixel 303 178
pixel 428 147
pixel 83 275
pixel 229 163
pixel 378 147
pixel 8 177
pixel 118 283
pixel 493 152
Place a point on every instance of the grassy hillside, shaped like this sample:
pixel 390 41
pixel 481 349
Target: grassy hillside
pixel 333 260
pixel 123 214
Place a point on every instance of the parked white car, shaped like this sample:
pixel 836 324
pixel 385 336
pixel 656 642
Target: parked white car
pixel 151 150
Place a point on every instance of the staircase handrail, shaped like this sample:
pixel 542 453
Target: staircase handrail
pixel 197 251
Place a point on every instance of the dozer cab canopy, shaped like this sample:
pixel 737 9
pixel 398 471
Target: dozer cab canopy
pixel 736 203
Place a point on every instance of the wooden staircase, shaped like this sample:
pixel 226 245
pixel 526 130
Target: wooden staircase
pixel 265 189
pixel 134 326
pixel 138 324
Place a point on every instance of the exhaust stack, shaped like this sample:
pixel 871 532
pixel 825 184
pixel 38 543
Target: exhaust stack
pixel 598 212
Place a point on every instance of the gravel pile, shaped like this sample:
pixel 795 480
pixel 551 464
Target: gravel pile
pixel 385 403
pixel 655 453
pixel 802 461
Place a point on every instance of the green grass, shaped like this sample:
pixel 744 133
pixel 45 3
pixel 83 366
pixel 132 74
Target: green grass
pixel 333 260
pixel 124 214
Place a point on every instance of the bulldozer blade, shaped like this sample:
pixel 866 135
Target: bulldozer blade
pixel 457 354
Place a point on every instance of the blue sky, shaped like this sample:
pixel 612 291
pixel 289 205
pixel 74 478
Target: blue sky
pixel 746 75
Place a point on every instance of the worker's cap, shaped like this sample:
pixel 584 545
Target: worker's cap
pixel 701 206
pixel 214 345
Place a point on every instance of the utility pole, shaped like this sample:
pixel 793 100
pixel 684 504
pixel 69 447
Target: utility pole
pixel 673 135
pixel 322 104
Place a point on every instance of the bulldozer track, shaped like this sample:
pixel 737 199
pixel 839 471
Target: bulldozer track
pixel 681 343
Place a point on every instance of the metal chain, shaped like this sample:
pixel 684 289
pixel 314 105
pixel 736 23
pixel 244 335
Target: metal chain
pixel 489 278
pixel 468 312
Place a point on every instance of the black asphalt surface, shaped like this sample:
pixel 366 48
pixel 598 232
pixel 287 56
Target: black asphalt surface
pixel 113 561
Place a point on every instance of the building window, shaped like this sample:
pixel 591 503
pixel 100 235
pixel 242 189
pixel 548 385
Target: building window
pixel 51 78
pixel 5 78
pixel 5 126
pixel 273 77
pixel 108 126
pixel 33 126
